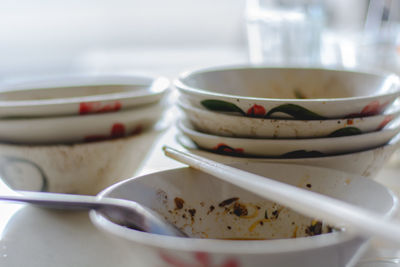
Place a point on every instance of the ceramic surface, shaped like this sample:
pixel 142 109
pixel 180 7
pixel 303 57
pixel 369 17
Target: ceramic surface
pixel 84 168
pixel 73 129
pixel 289 148
pixel 80 95
pixel 366 163
pixel 238 126
pixel 207 207
pixel 300 93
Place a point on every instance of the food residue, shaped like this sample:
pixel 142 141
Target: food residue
pixel 275 214
pixel 178 203
pixel 211 208
pixel 192 212
pixel 315 228
pixel 228 201
pixel 298 94
pixel 240 209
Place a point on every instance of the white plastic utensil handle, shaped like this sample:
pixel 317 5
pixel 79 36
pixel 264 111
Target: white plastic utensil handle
pixel 308 203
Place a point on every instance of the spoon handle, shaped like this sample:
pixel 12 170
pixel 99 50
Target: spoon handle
pixel 120 211
pixel 306 202
pixel 55 200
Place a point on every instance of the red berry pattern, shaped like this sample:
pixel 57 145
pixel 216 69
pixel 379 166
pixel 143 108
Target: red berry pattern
pixel 98 107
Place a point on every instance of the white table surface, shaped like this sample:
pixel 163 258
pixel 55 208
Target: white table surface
pixel 36 237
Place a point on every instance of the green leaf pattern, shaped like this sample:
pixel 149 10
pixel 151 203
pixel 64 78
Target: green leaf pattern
pixel 296 111
pixel 347 131
pixel 303 154
pixel 219 105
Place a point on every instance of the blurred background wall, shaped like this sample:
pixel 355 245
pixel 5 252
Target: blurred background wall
pixel 53 35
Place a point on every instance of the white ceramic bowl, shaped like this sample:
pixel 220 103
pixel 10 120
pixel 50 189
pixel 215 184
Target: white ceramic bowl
pixel 367 163
pixel 206 207
pixel 238 126
pixel 84 94
pixel 299 93
pixel 75 129
pixel 85 168
pixel 289 148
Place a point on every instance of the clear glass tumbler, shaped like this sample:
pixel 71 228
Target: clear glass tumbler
pixel 284 32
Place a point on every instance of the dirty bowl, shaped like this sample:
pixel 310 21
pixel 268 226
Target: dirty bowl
pixel 238 126
pixel 367 163
pixel 80 94
pixel 85 168
pixel 229 226
pixel 289 148
pixel 76 129
pixel 299 93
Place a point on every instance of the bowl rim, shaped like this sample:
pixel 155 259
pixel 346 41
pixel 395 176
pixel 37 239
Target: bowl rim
pixel 156 85
pixel 185 126
pixel 228 246
pixel 182 87
pixel 51 130
pixel 394 143
pixel 132 113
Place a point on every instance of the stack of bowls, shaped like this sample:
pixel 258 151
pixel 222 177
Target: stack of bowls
pixel 68 134
pixel 286 113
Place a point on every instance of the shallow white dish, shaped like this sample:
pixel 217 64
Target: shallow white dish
pixel 85 94
pixel 75 129
pixel 289 148
pixel 300 93
pixel 207 207
pixel 238 126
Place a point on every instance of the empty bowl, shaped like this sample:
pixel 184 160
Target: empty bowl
pixel 299 93
pixel 238 126
pixel 75 129
pixel 229 226
pixel 80 95
pixel 289 148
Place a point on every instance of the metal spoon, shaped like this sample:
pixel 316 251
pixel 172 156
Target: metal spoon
pixel 123 212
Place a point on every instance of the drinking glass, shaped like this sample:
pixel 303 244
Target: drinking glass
pixel 284 32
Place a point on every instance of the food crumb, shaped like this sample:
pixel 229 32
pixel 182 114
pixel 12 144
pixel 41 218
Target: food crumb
pixel 211 208
pixel 179 203
pixel 314 229
pixel 228 201
pixel 275 214
pixel 192 212
pixel 239 209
